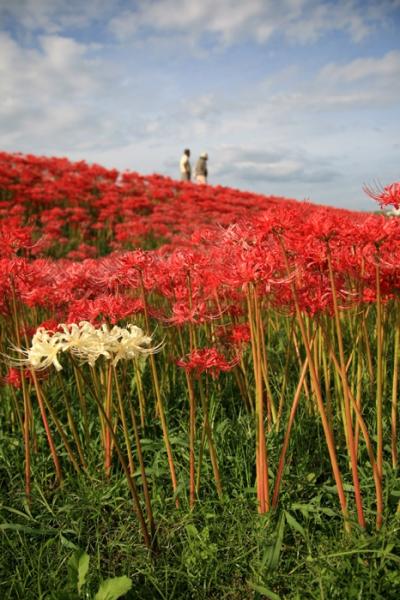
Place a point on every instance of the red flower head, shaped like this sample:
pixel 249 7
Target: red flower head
pixel 13 378
pixel 207 359
pixel 389 195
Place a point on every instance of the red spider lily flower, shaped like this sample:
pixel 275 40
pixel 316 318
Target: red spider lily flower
pixel 387 196
pixel 51 325
pixel 234 335
pixel 13 378
pixel 239 334
pixel 14 238
pixel 182 313
pixel 104 308
pixel 209 360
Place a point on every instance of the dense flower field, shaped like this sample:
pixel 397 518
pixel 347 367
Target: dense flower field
pixel 129 300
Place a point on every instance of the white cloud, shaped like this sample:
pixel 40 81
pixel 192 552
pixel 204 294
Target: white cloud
pixel 59 66
pixel 300 21
pixel 54 16
pixel 226 21
pixel 386 67
pixel 321 18
pixel 204 107
pixel 281 164
pixel 224 18
pixel 48 93
pixel 368 83
pixel 131 105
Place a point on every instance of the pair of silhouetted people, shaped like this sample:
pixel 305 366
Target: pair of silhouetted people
pixel 200 172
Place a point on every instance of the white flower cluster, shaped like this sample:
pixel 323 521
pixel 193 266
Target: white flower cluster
pixel 85 342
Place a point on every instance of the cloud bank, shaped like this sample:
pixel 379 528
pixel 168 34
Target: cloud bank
pixel 295 98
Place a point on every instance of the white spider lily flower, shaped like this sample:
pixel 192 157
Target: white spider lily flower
pixel 83 341
pixel 43 352
pixel 86 343
pixel 128 343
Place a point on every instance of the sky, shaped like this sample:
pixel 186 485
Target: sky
pixel 296 98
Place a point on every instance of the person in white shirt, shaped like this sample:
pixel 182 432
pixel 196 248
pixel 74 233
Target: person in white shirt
pixel 184 166
pixel 201 170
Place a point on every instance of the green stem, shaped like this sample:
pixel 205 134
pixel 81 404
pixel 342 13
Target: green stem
pixel 317 391
pixel 146 492
pixel 28 413
pixel 395 382
pixel 211 446
pixel 130 480
pixel 71 423
pixel 379 380
pixel 160 406
pixel 52 446
pixel 83 405
pixel 108 412
pixel 261 449
pixel 368 443
pixel 345 387
pixel 285 445
pixel 124 423
pixel 61 431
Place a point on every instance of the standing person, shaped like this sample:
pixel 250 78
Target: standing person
pixel 201 168
pixel 184 166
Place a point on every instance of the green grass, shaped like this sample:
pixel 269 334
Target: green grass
pixel 220 550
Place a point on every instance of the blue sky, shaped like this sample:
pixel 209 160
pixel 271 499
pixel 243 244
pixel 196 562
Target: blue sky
pixel 299 98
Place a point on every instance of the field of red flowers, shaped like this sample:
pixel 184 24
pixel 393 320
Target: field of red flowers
pixel 132 306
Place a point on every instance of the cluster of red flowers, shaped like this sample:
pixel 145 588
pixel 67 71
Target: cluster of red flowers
pixel 232 281
pixel 205 246
pixel 58 208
